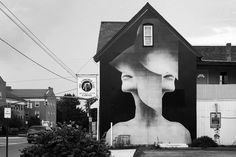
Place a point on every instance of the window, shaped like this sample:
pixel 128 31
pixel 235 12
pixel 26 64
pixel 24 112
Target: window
pixel 148 35
pixel 29 105
pixel 36 104
pixel 223 78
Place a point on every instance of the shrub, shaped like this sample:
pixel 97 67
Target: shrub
pixel 204 142
pixel 66 141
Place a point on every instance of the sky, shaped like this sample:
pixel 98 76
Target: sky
pixel 70 30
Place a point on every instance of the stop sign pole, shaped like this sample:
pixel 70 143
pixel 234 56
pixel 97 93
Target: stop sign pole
pixel 7 115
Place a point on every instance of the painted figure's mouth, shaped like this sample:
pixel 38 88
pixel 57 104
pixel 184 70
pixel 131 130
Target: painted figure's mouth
pixel 125 77
pixel 169 77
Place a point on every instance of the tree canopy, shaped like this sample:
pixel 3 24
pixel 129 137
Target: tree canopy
pixel 68 111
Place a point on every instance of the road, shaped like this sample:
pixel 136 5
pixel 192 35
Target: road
pixel 15 145
pixel 189 153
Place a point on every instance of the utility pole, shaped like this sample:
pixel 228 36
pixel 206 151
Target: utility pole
pixel 89 116
pixel 7 115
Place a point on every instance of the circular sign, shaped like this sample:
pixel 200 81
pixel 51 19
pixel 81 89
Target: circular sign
pixel 87 86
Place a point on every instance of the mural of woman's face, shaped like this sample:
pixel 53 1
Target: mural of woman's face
pixel 136 78
pixel 127 66
pixel 161 62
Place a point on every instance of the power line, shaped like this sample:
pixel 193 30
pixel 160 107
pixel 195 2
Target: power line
pixel 84 65
pixel 34 61
pixel 37 40
pixel 32 80
pixel 66 91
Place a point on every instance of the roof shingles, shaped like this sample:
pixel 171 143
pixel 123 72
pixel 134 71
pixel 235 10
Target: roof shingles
pixel 216 53
pixel 29 93
pixel 208 53
pixel 107 31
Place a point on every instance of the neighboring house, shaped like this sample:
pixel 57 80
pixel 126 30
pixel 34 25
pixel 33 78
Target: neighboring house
pixel 16 103
pixel 205 96
pixel 40 103
pixel 2 92
pixel 30 102
pixel 216 93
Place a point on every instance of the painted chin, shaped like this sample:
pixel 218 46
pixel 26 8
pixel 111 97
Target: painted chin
pixel 127 83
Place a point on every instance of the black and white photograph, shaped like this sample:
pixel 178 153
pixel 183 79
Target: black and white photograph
pixel 146 78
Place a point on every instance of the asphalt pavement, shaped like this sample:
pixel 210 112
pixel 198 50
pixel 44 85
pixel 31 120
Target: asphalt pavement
pixel 15 144
pixel 12 140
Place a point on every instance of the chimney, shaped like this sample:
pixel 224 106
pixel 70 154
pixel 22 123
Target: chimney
pixel 228 52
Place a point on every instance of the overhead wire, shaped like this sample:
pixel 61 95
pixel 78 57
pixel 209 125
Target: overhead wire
pixel 33 80
pixel 36 40
pixel 84 65
pixel 66 91
pixel 34 61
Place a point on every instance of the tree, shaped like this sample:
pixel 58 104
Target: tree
pixel 68 111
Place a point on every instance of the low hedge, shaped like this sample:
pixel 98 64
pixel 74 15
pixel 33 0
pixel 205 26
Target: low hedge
pixel 66 141
pixel 204 142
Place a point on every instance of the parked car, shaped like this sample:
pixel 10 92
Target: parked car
pixel 34 131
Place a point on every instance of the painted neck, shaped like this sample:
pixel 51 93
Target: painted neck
pixel 147 112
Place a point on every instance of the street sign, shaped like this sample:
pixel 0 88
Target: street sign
pixel 7 112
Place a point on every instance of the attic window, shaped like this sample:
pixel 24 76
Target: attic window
pixel 147 35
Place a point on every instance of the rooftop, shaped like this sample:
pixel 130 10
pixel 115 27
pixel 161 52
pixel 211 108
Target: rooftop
pixel 29 93
pixel 209 53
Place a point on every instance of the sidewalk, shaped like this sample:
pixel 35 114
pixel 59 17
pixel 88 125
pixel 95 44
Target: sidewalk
pixel 122 153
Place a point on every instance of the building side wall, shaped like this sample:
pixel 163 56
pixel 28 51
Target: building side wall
pixel 227 108
pixel 2 92
pixel 179 106
pixel 51 110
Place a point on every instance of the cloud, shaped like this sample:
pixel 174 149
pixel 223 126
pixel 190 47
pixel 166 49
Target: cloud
pixel 218 36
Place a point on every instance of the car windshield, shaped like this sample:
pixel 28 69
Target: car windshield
pixel 37 128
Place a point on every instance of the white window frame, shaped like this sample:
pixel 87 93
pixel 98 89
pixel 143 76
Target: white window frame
pixel 147 35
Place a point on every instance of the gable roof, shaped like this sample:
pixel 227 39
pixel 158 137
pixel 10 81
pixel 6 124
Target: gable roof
pixel 1 80
pixel 217 53
pixel 107 31
pixel 113 34
pixel 9 95
pixel 30 93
